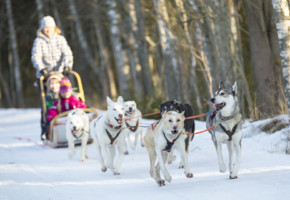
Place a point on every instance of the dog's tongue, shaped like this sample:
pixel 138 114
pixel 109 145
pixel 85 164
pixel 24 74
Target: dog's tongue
pixel 74 131
pixel 119 120
pixel 219 105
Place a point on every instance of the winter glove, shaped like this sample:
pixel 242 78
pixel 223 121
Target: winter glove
pixel 66 71
pixel 44 72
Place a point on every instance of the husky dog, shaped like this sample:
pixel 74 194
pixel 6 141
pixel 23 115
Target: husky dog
pixel 132 121
pixel 77 128
pixel 189 125
pixel 106 130
pixel 160 139
pixel 227 114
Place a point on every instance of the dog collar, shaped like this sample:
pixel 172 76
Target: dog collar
pixel 114 127
pixel 222 118
pixel 169 144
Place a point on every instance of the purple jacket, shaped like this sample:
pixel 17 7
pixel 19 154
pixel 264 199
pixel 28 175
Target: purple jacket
pixel 66 104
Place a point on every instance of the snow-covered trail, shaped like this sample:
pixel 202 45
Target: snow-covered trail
pixel 30 170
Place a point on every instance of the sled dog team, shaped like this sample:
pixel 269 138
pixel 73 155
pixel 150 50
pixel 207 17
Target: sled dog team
pixel 113 130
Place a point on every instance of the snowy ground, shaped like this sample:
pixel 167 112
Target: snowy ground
pixel 29 170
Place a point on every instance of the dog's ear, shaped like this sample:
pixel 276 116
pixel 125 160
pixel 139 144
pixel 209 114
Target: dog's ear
pixel 120 99
pixel 165 111
pixel 221 86
pixel 174 101
pixel 182 113
pixel 109 100
pixel 235 88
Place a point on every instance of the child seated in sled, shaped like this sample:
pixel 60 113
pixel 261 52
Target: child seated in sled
pixel 66 101
pixel 53 86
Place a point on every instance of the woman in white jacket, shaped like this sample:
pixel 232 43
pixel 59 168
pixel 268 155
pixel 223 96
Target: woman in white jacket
pixel 50 53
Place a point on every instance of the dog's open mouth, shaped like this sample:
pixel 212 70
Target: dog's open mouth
pixel 129 112
pixel 74 131
pixel 174 131
pixel 119 120
pixel 219 106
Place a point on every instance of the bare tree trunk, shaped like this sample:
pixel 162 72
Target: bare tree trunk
pixel 192 78
pixel 130 43
pixel 282 18
pixel 39 8
pixel 13 40
pixel 81 37
pixel 265 53
pixel 110 88
pixel 116 46
pixel 142 50
pixel 169 57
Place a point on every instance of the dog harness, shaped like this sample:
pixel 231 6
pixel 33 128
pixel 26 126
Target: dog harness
pixel 228 132
pixel 112 138
pixel 169 144
pixel 133 128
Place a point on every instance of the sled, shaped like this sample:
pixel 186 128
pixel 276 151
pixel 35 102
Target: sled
pixel 57 133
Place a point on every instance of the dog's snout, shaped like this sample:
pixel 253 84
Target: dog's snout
pixel 120 115
pixel 74 127
pixel 130 109
pixel 212 100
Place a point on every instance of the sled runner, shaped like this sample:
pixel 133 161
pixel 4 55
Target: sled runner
pixel 57 133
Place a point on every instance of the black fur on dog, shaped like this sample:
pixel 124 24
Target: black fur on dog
pixel 189 124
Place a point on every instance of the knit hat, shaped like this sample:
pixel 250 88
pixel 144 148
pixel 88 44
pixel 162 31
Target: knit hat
pixel 46 21
pixel 65 85
pixel 54 76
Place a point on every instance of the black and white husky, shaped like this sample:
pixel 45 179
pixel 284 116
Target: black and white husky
pixel 106 130
pixel 228 131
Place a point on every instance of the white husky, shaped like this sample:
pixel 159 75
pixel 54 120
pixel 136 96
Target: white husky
pixel 227 114
pixel 106 130
pixel 133 119
pixel 77 127
pixel 162 137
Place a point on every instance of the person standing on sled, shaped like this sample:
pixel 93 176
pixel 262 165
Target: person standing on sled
pixel 50 53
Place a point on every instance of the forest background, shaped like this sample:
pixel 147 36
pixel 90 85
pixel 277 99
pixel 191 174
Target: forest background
pixel 151 51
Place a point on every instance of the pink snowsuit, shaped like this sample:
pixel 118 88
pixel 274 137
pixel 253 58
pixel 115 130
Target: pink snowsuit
pixel 66 104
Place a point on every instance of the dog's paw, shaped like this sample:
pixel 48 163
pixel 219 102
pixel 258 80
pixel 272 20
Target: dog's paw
pixel 104 169
pixel 168 178
pixel 223 168
pixel 161 182
pixel 117 173
pixel 189 175
pixel 233 177
pixel 181 166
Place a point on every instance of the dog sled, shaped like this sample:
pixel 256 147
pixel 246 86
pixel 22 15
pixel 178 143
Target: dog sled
pixel 57 127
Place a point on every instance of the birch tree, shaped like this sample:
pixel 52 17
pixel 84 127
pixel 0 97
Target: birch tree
pixel 142 49
pixel 282 19
pixel 169 57
pixel 13 41
pixel 117 49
